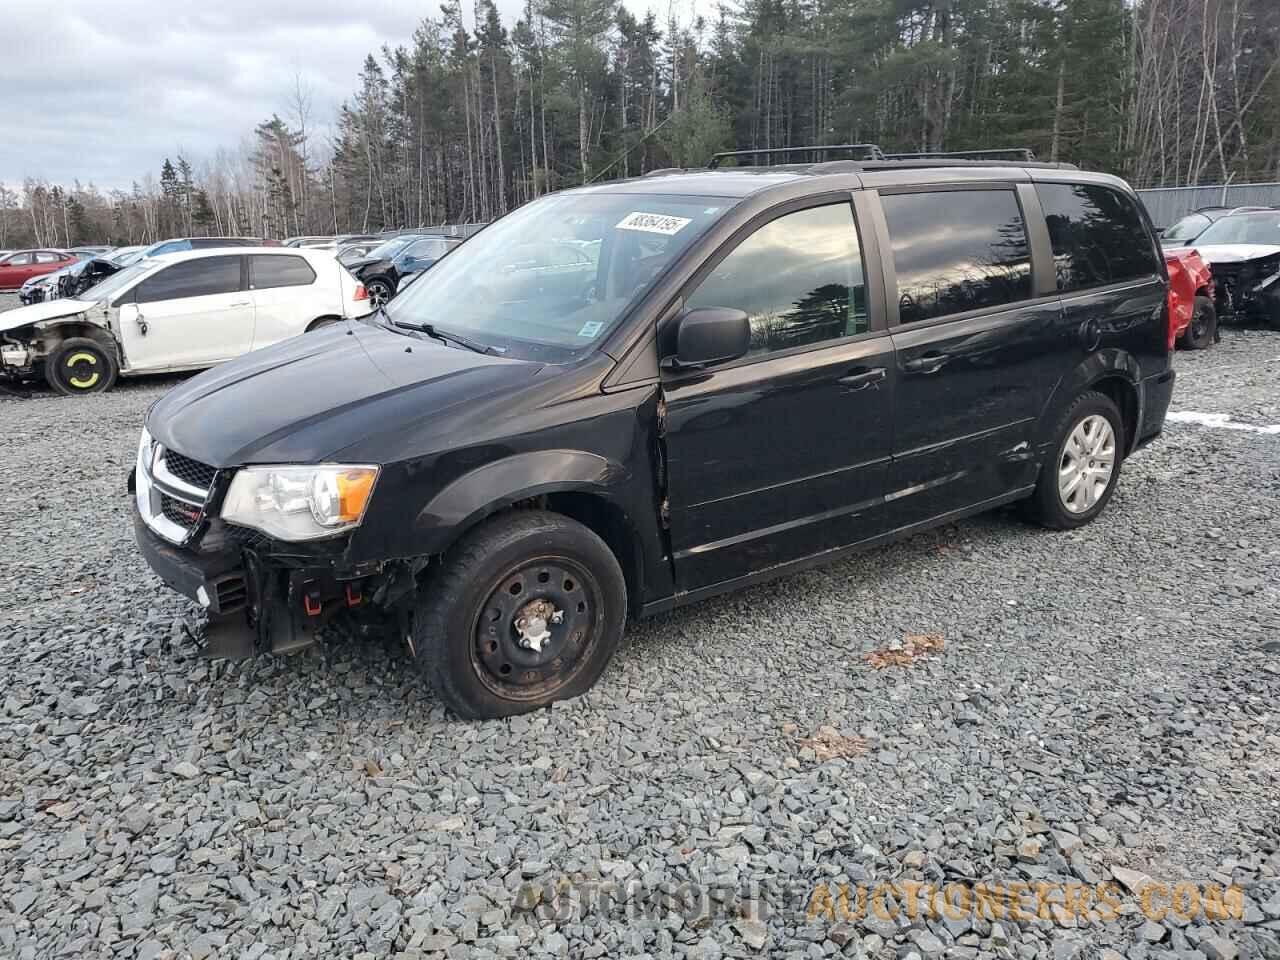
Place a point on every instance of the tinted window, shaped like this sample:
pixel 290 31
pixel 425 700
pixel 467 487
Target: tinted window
pixel 957 250
pixel 192 278
pixel 798 278
pixel 1097 234
pixel 266 272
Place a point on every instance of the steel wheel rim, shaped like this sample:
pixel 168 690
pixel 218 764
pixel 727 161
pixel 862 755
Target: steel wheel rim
pixel 500 660
pixel 1087 464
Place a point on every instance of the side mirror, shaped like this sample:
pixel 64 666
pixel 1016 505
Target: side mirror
pixel 711 335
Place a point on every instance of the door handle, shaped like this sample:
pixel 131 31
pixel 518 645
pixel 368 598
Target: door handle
pixel 929 363
pixel 861 378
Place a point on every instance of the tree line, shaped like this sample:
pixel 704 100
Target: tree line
pixel 471 117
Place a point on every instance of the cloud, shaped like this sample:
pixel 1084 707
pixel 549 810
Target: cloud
pixel 103 93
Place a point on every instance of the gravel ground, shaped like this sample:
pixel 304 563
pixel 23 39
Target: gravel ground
pixel 1102 706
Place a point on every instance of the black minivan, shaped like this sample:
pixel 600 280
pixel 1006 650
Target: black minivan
pixel 627 397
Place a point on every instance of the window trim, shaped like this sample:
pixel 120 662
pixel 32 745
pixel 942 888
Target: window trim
pixel 1159 271
pixel 867 249
pixel 244 271
pixel 247 283
pixel 890 267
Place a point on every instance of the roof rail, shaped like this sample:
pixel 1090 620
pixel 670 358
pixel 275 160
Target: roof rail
pixel 866 151
pixel 1024 154
pixel 664 171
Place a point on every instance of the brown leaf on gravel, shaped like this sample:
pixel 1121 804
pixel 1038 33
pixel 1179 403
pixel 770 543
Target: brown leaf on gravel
pixel 914 646
pixel 829 744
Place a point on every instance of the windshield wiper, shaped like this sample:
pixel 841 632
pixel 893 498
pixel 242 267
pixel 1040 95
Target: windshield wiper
pixel 431 330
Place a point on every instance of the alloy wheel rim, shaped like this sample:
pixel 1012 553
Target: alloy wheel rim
pixel 1087 464
pixel 379 295
pixel 537 627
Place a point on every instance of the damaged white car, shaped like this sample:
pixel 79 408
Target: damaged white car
pixel 182 311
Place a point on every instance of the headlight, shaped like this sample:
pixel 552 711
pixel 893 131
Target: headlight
pixel 300 503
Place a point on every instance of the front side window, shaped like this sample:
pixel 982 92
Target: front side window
pixel 18 260
pixel 957 250
pixel 1097 234
pixel 799 279
pixel 192 278
pixel 517 287
pixel 267 271
pixel 432 249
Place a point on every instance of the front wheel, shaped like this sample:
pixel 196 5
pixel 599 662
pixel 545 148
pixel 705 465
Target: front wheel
pixel 80 365
pixel 380 292
pixel 1077 480
pixel 1202 332
pixel 526 610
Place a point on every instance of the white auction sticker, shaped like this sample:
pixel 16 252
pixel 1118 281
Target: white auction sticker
pixel 653 223
pixel 590 328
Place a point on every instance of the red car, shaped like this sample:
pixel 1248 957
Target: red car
pixel 1193 321
pixel 19 267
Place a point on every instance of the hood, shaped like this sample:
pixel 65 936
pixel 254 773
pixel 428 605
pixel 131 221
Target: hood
pixel 366 264
pixel 37 312
pixel 304 400
pixel 1234 252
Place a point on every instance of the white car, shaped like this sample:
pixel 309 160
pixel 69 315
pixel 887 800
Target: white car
pixel 180 311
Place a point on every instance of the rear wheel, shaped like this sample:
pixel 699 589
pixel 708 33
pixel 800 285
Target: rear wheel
pixel 1202 332
pixel 528 609
pixel 81 365
pixel 1078 479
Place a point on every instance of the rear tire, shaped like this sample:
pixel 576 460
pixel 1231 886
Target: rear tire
pixel 1202 332
pixel 1080 474
pixel 80 365
pixel 527 609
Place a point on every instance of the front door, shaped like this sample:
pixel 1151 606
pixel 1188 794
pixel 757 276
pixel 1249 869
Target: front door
pixel 978 352
pixel 192 313
pixel 783 453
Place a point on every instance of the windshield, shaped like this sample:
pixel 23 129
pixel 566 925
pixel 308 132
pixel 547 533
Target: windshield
pixel 551 279
pixel 386 251
pixel 1244 228
pixel 116 282
pixel 1188 228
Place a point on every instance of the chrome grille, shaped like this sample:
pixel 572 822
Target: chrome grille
pixel 189 471
pixel 172 490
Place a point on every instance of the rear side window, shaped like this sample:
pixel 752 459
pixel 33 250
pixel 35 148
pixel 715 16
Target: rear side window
pixel 266 272
pixel 48 256
pixel 192 278
pixel 957 250
pixel 1097 234
pixel 798 278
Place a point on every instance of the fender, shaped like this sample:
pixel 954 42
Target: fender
pixel 1099 365
pixel 501 483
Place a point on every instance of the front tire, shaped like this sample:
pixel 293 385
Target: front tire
pixel 1202 332
pixel 380 292
pixel 1079 477
pixel 527 609
pixel 80 365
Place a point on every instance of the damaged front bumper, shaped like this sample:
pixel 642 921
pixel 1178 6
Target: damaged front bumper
pixel 261 595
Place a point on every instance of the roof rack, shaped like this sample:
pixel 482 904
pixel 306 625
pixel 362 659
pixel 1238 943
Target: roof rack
pixel 866 151
pixel 1022 154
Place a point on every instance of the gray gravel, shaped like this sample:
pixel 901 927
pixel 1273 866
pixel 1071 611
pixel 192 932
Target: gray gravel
pixel 1103 707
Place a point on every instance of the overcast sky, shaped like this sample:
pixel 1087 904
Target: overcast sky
pixel 104 92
